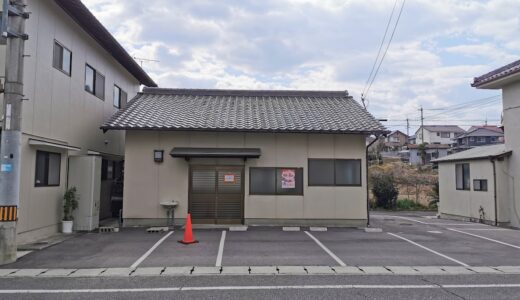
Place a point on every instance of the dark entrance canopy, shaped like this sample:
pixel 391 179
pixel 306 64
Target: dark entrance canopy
pixel 215 152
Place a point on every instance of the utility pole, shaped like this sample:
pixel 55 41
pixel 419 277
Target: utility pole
pixel 13 30
pixel 422 125
pixel 407 127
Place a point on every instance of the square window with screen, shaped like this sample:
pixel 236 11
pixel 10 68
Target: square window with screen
pixel 480 185
pixel 62 58
pixel 462 177
pixel 334 172
pixel 48 167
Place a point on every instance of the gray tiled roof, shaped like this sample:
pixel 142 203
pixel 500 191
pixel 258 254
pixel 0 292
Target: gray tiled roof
pixel 483 152
pixel 444 128
pixel 246 111
pixel 501 72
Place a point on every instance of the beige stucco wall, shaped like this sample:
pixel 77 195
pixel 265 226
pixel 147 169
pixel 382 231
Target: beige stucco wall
pixel 466 203
pixel 58 109
pixel 511 103
pixel 148 183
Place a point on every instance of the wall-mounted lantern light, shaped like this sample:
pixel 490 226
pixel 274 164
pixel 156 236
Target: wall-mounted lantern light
pixel 158 156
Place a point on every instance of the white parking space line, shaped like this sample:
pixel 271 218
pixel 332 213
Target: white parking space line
pixel 262 287
pixel 221 249
pixel 486 229
pixel 428 249
pixel 409 219
pixel 142 258
pixel 438 223
pixel 485 238
pixel 334 256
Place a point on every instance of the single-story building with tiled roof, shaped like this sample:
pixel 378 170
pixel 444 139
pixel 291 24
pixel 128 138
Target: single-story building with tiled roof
pixel 473 185
pixel 248 157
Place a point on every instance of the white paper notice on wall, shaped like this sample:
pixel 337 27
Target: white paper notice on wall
pixel 229 178
pixel 288 178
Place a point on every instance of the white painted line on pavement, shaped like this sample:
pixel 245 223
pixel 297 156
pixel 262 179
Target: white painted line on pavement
pixel 428 249
pixel 438 223
pixel 337 259
pixel 435 231
pixel 409 219
pixel 260 287
pixel 142 258
pixel 485 238
pixel 486 229
pixel 221 249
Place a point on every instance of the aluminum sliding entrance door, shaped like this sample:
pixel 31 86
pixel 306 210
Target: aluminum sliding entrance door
pixel 216 194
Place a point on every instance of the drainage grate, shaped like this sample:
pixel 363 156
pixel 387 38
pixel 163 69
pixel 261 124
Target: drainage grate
pixel 157 229
pixel 108 229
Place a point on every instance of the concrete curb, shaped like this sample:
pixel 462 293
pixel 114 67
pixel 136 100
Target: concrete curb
pixel 262 270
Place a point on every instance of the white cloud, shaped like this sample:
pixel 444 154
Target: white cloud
pixel 322 44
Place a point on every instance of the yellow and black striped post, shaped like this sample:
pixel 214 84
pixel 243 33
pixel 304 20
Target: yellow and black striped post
pixel 8 213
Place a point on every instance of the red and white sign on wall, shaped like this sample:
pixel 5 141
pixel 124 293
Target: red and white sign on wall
pixel 229 178
pixel 288 178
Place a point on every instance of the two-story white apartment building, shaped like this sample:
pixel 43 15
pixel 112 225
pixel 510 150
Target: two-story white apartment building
pixel 437 134
pixel 76 75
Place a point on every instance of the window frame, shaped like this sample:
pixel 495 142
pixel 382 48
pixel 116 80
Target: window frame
pixel 46 169
pixel 464 188
pixel 275 178
pixel 480 189
pixel 120 94
pixel 334 171
pixel 57 67
pixel 96 73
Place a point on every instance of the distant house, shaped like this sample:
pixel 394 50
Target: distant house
pixel 412 139
pixel 479 136
pixel 470 186
pixel 433 151
pixel 396 141
pixel 438 134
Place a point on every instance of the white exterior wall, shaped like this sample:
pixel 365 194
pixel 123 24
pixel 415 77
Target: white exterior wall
pixel 59 109
pixel 511 103
pixel 148 183
pixel 431 137
pixel 466 203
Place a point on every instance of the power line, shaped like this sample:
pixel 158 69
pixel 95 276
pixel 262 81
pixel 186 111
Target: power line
pixel 380 48
pixel 386 50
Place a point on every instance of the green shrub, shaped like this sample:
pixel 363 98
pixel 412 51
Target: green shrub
pixel 70 203
pixel 407 204
pixel 385 190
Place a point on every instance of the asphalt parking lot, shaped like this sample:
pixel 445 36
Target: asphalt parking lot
pixel 409 239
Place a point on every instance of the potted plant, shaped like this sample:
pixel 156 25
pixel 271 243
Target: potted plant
pixel 70 203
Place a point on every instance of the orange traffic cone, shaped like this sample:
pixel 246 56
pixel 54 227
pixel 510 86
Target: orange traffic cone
pixel 188 233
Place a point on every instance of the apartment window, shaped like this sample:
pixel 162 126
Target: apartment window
pixel 47 169
pixel 62 58
pixel 481 139
pixel 94 82
pixel 276 181
pixel 445 134
pixel 462 176
pixel 334 172
pixel 471 139
pixel 480 185
pixel 120 97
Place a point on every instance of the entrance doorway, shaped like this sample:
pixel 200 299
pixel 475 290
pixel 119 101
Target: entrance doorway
pixel 216 194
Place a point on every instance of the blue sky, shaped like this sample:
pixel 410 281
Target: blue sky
pixel 438 48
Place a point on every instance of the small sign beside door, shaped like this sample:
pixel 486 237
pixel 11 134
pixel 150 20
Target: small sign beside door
pixel 229 178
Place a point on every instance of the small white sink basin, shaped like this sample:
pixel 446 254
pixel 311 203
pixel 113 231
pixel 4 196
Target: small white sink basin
pixel 170 204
